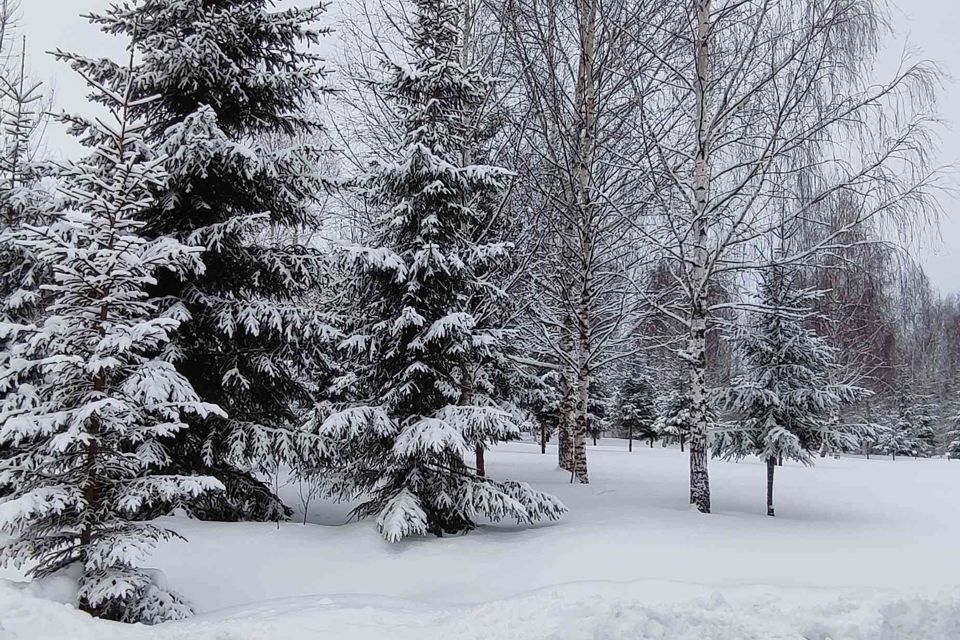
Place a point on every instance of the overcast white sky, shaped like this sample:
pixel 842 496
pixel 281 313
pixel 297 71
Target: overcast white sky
pixel 929 28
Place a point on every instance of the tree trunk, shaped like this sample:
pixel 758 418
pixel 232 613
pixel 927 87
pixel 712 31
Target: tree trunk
pixel 466 59
pixel 91 483
pixel 699 273
pixel 467 392
pixel 543 437
pixel 91 498
pixel 630 439
pixel 567 424
pixel 771 467
pixel 583 235
pixel 579 441
pixel 651 443
pixel 481 464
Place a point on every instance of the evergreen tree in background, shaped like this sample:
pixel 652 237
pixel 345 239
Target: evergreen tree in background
pixel 673 418
pixel 22 200
pixel 600 408
pixel 895 440
pixel 539 394
pixel 417 339
pixel 87 398
pixel 910 431
pixel 785 402
pixel 920 422
pixel 953 441
pixel 234 80
pixel 635 410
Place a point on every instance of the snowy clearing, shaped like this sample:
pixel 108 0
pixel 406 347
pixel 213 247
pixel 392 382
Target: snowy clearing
pixel 860 549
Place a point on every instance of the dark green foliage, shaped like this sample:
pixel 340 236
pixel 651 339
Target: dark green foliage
pixel 235 81
pixel 425 343
pixel 636 412
pixel 910 431
pixel 785 402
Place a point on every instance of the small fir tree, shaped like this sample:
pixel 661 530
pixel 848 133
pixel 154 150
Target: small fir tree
pixel 21 119
pixel 22 200
pixel 417 339
pixel 953 441
pixel 87 397
pixel 673 418
pixel 786 405
pixel 920 423
pixel 635 410
pixel 910 432
pixel 893 441
pixel 600 407
pixel 869 437
pixel 539 394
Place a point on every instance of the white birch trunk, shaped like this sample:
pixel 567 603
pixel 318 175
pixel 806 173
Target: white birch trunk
pixel 696 346
pixel 586 101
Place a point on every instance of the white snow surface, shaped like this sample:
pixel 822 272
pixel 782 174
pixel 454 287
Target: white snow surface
pixel 860 550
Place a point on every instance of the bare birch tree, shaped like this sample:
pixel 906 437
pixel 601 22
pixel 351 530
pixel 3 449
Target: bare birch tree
pixel 572 112
pixel 758 112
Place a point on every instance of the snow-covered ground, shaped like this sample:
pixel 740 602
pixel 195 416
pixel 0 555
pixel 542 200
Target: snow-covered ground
pixel 860 549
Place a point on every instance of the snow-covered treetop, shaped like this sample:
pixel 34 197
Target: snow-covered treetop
pixel 786 397
pixel 222 53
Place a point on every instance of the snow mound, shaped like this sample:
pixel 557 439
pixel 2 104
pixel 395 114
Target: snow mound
pixel 587 611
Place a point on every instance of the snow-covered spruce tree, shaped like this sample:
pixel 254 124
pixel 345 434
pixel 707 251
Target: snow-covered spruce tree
pixel 87 395
pixel 785 402
pixel 235 80
pixel 918 421
pixel 635 410
pixel 910 431
pixel 403 446
pixel 21 198
pixel 673 418
pixel 953 441
pixel 894 441
pixel 539 394
pixel 600 410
